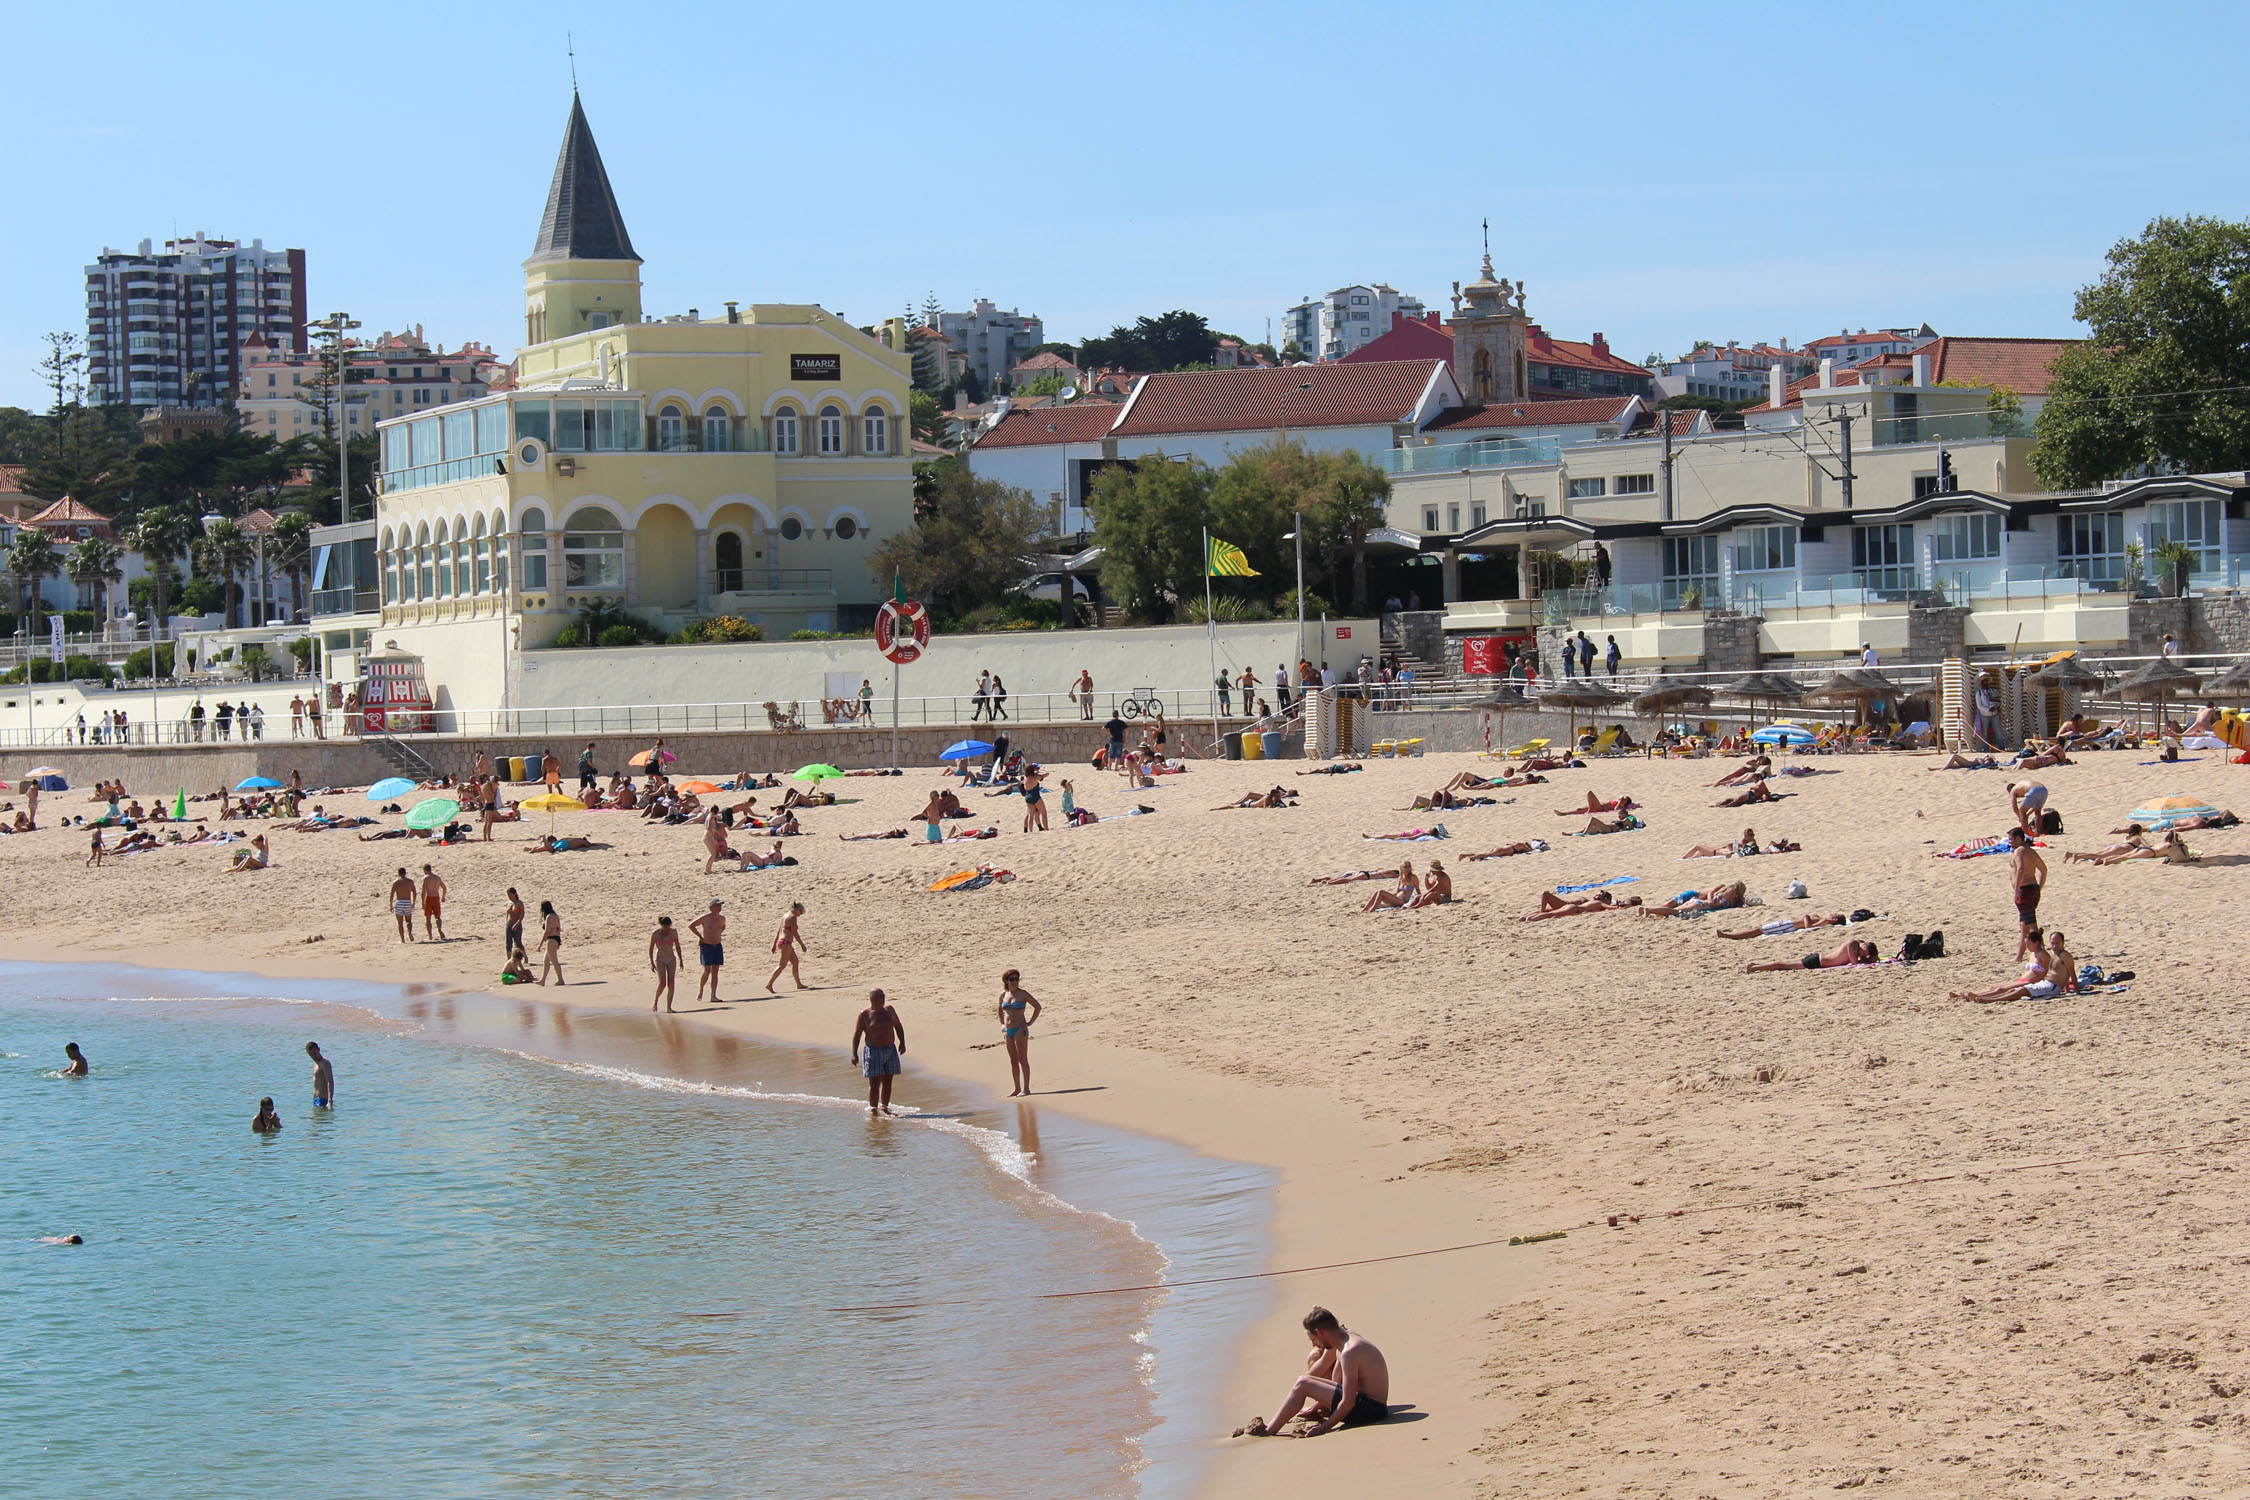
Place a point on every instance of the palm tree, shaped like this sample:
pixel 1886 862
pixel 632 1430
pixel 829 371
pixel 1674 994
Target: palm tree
pixel 224 550
pixel 92 565
pixel 161 535
pixel 31 561
pixel 289 544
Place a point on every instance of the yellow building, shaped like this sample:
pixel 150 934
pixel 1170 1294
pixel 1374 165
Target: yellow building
pixel 681 466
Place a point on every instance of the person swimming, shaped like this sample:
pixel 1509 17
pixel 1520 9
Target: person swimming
pixel 78 1066
pixel 268 1121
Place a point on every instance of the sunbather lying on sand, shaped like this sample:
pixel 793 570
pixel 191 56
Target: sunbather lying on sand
pixel 751 859
pixel 2030 759
pixel 861 838
pixel 1687 903
pixel 970 835
pixel 1857 951
pixel 1411 835
pixel 1746 845
pixel 1350 877
pixel 1780 925
pixel 1595 804
pixel 557 844
pixel 1524 846
pixel 1445 801
pixel 1552 906
pixel 1278 797
pixel 1335 770
pixel 2220 819
pixel 1758 792
pixel 2171 851
pixel 1549 763
pixel 1757 768
pixel 1625 823
pixel 2049 971
pixel 1959 762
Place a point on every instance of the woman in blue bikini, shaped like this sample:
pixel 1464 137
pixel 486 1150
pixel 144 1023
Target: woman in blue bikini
pixel 1018 1009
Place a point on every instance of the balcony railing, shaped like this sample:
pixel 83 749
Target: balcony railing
pixel 773 581
pixel 1952 427
pixel 345 601
pixel 449 472
pixel 1497 453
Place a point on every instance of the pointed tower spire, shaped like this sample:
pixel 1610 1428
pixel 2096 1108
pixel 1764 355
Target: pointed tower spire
pixel 582 221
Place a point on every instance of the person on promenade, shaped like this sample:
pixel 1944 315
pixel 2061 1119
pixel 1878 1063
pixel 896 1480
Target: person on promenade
pixel 664 961
pixel 324 1077
pixel 1225 685
pixel 1083 691
pixel 1019 1008
pixel 1854 953
pixel 2027 872
pixel 297 716
pixel 981 699
pixel 269 1118
pixel 1346 1382
pixel 433 905
pixel 790 944
pixel 78 1066
pixel 550 941
pixel 883 1032
pixel 999 697
pixel 710 931
pixel 402 904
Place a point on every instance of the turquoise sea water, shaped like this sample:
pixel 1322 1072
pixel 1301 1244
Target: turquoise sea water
pixel 580 1255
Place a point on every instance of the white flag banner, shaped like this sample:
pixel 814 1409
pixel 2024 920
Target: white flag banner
pixel 54 638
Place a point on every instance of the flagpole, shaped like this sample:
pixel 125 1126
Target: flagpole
pixel 1211 630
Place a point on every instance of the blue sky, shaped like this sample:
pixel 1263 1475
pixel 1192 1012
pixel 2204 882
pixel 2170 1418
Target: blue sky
pixel 1657 173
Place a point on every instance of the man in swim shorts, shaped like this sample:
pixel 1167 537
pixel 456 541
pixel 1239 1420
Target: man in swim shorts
pixel 883 1032
pixel 2028 872
pixel 2026 799
pixel 402 904
pixel 1346 1382
pixel 710 931
pixel 433 904
pixel 324 1078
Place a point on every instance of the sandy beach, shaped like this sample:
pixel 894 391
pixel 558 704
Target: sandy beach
pixel 1866 1236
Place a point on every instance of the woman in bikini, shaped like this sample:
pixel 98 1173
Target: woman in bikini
pixel 1719 898
pixel 550 940
pixel 1595 804
pixel 1758 792
pixel 1034 799
pixel 1780 925
pixel 664 960
pixel 1405 893
pixel 1857 951
pixel 2134 847
pixel 1351 876
pixel 1019 1008
pixel 1747 844
pixel 1521 846
pixel 1552 906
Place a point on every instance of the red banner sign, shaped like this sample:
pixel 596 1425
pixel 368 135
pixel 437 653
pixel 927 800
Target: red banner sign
pixel 1481 655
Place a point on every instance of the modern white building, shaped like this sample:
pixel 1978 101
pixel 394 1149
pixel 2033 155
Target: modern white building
pixel 163 328
pixel 989 341
pixel 1346 319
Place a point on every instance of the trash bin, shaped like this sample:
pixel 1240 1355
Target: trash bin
pixel 1253 747
pixel 1270 746
pixel 1232 740
pixel 515 768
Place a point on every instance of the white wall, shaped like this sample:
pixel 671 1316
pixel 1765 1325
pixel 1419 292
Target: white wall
pixel 1043 469
pixel 1216 448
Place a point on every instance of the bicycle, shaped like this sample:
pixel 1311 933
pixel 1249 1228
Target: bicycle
pixel 1147 704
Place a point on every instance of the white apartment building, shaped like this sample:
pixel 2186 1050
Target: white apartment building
pixel 162 329
pixel 989 341
pixel 1720 378
pixel 1333 326
pixel 281 395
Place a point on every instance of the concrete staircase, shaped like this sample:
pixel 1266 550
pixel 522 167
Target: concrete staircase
pixel 1427 673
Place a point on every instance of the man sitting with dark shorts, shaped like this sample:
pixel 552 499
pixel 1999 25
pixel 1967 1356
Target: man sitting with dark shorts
pixel 1346 1382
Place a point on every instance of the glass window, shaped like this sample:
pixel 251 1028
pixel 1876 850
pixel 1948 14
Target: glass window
pixel 1690 562
pixel 390 576
pixel 395 450
pixel 492 427
pixel 726 559
pixel 831 429
pixel 2092 547
pixel 605 427
pixel 1883 557
pixel 1429 518
pixel 1765 549
pixel 425 566
pixel 460 433
pixel 846 528
pixel 1587 489
pixel 533 546
pixel 875 431
pixel 443 565
pixel 718 425
pixel 1965 538
pixel 625 419
pixel 785 431
pixel 570 427
pixel 426 441
pixel 593 550
pixel 671 430
pixel 1636 484
pixel 2198 523
pixel 531 421
pixel 791 528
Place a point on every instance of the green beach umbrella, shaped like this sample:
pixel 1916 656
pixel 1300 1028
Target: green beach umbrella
pixel 435 813
pixel 814 772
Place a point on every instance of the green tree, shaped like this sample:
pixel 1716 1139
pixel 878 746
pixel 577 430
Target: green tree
pixel 1149 519
pixel 2162 379
pixel 289 548
pixel 161 536
pixel 92 566
pixel 85 457
pixel 1043 385
pixel 968 548
pixel 22 435
pixel 1169 341
pixel 319 463
pixel 31 561
pixel 925 417
pixel 225 552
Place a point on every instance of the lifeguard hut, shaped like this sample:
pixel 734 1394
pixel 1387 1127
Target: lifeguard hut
pixel 394 695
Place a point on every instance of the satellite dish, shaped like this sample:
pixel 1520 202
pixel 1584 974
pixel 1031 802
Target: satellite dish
pixel 1070 393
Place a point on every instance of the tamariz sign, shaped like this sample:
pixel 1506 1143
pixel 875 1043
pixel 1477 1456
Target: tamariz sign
pixel 816 367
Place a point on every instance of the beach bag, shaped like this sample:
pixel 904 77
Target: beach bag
pixel 1917 947
pixel 2050 822
pixel 1797 891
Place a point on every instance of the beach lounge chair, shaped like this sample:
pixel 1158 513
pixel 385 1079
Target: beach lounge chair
pixel 1605 743
pixel 1383 747
pixel 1527 748
pixel 1407 747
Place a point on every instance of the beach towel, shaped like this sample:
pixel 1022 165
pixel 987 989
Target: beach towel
pixel 2185 760
pixel 1595 885
pixel 970 880
pixel 1977 848
pixel 1595 833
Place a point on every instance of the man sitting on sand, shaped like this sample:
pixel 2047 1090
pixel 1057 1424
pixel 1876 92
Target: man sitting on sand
pixel 1437 890
pixel 1552 906
pixel 1346 1382
pixel 1780 925
pixel 256 857
pixel 2049 971
pixel 1857 951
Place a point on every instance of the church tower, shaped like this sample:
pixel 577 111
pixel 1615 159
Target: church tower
pixel 582 273
pixel 1488 326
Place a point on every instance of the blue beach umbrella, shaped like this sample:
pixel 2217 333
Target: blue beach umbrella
pixel 964 750
pixel 255 783
pixel 1784 734
pixel 389 787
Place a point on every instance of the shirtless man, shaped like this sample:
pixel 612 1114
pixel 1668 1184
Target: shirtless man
pixel 883 1032
pixel 324 1078
pixel 664 961
pixel 2027 799
pixel 402 904
pixel 1346 1382
pixel 433 905
pixel 1437 890
pixel 790 944
pixel 1857 951
pixel 2028 873
pixel 2049 972
pixel 710 931
pixel 1780 925
pixel 78 1067
pixel 1552 906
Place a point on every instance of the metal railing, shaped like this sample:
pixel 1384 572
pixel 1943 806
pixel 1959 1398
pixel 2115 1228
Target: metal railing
pixel 1495 453
pixel 773 580
pixel 1951 427
pixel 346 601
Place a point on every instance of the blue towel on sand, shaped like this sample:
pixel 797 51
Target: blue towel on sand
pixel 1595 885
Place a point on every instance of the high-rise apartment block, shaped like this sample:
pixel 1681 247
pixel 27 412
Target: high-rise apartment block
pixel 989 341
pixel 1338 324
pixel 163 328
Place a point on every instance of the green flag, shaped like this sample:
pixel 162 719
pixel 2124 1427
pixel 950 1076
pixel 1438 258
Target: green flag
pixel 1225 560
pixel 898 587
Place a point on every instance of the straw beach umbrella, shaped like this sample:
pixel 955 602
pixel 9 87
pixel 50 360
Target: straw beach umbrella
pixel 1760 687
pixel 2070 677
pixel 2233 683
pixel 1666 695
pixel 2159 680
pixel 1575 694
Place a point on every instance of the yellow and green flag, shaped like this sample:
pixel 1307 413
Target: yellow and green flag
pixel 1225 560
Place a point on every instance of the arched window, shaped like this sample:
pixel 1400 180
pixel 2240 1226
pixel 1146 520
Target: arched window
pixel 875 431
pixel 785 431
pixel 425 565
pixel 482 579
pixel 499 553
pixel 390 568
pixel 534 549
pixel 593 550
pixel 831 429
pixel 726 562
pixel 671 430
pixel 718 428
pixel 447 586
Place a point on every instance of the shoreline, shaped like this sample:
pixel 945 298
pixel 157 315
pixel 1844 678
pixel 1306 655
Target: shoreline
pixel 1359 1161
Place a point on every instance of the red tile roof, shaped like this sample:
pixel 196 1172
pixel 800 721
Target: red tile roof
pixel 1409 340
pixel 1047 360
pixel 69 511
pixel 1547 350
pixel 11 479
pixel 1574 413
pixel 2023 366
pixel 1342 395
pixel 1050 424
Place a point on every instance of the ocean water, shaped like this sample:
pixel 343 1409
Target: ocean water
pixel 538 1252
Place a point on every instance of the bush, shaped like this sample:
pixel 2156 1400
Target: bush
pixel 70 669
pixel 573 634
pixel 620 635
pixel 814 635
pixel 301 648
pixel 136 665
pixel 719 629
pixel 1285 607
pixel 1224 608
